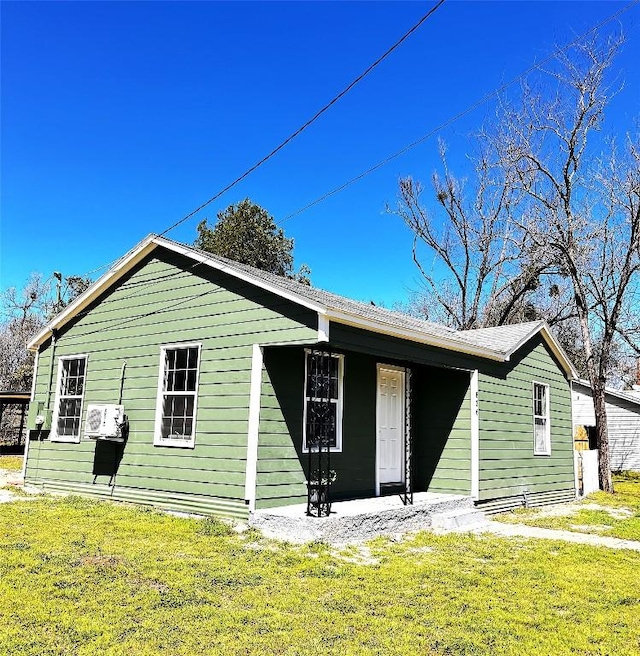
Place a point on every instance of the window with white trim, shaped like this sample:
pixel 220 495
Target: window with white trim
pixel 323 402
pixel 541 424
pixel 177 395
pixel 69 398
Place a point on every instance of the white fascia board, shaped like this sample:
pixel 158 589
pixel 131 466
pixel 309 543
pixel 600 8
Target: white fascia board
pixel 413 335
pixel 241 275
pixel 121 267
pixel 552 343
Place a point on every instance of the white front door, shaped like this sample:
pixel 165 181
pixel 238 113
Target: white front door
pixel 390 425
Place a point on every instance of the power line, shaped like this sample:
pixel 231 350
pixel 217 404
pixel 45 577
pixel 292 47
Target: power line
pixel 314 118
pixel 455 118
pixel 310 121
pixel 400 152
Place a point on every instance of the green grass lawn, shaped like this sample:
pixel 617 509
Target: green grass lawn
pixel 12 463
pixel 83 577
pixel 616 515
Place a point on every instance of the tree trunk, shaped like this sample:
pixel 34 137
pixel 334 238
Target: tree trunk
pixel 602 437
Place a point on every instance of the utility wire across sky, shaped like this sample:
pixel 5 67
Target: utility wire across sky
pixel 488 96
pixel 457 117
pixel 303 127
pixel 313 119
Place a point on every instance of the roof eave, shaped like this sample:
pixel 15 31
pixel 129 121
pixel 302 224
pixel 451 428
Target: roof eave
pixel 135 255
pixel 617 393
pixel 383 328
pixel 242 275
pixel 120 268
pixel 552 343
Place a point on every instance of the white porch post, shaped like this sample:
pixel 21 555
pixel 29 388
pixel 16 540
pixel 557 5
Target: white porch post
pixel 254 426
pixel 475 436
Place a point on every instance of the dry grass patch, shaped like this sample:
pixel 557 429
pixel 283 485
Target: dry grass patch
pixel 616 515
pixel 11 463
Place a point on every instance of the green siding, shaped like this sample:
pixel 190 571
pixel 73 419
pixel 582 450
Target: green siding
pixel 282 465
pixel 441 430
pixel 168 299
pixel 442 427
pixel 508 467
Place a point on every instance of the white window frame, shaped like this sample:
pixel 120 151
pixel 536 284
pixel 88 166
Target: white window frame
pixel 53 436
pixel 547 417
pixel 339 401
pixel 158 440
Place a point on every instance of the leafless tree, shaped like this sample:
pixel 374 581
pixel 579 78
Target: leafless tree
pixel 582 206
pixel 22 314
pixel 479 275
pixel 551 226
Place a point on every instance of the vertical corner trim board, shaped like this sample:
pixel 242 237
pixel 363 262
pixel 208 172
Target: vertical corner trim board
pixel 254 426
pixel 475 436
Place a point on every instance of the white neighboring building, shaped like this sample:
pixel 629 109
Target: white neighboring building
pixel 623 421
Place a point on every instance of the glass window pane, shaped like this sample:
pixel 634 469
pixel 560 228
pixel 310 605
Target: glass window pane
pixel 177 417
pixel 321 424
pixel 191 381
pixel 540 434
pixel 181 358
pixel 179 381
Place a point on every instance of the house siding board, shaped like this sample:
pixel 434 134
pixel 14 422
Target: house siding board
pixel 508 467
pixel 623 420
pixel 178 302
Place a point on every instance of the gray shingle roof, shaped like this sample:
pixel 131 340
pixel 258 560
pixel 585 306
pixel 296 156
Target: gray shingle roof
pixel 502 340
pixel 343 304
pixel 494 343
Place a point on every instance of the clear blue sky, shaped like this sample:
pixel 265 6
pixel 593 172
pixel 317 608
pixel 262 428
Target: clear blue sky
pixel 119 118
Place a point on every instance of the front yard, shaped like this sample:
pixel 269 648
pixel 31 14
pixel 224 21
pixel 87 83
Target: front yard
pixel 81 577
pixel 615 515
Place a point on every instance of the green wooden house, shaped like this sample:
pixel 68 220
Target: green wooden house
pixel 213 363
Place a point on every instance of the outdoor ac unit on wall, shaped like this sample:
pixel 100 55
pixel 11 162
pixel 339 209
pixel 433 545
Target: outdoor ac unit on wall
pixel 104 422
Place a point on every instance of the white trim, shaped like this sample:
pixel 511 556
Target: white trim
pixel 257 359
pixel 380 366
pixel 552 343
pixel 53 435
pixel 475 435
pixel 412 335
pixel 547 450
pixel 122 266
pixel 158 440
pixel 339 402
pixel 323 327
pixel 35 375
pixel 33 398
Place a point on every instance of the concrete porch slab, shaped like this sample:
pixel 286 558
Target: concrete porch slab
pixel 357 520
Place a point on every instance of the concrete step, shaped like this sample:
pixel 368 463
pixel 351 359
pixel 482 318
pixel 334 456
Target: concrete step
pixel 459 519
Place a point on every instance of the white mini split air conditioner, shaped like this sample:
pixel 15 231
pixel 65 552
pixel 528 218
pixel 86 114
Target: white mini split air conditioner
pixel 104 422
